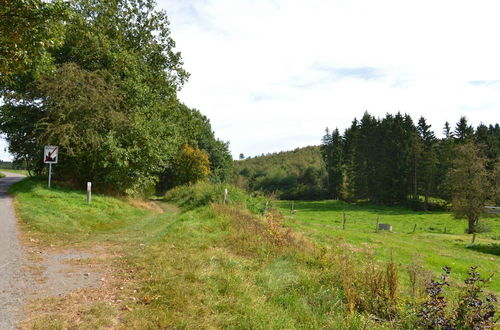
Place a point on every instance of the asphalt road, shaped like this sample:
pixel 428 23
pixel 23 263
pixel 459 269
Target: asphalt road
pixel 13 280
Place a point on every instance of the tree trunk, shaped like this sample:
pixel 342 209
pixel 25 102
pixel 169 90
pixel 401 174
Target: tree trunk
pixel 426 201
pixel 472 225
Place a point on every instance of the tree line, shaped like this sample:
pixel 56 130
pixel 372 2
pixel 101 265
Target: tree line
pixel 100 80
pixel 296 174
pixel 392 160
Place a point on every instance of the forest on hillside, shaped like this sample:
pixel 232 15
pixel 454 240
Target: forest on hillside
pixel 390 160
pixel 100 79
pixel 296 174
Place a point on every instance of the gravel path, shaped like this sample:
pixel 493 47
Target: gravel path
pixel 13 280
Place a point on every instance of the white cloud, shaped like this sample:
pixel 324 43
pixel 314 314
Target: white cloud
pixel 271 75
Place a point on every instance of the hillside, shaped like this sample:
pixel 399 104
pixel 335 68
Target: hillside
pixel 296 174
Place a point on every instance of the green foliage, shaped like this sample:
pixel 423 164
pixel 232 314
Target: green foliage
pixel 297 174
pixel 205 193
pixel 332 153
pixel 470 184
pixel 393 161
pixel 111 104
pixel 29 30
pixel 190 166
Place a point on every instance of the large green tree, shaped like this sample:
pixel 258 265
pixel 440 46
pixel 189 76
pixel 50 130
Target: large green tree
pixel 114 92
pixel 29 30
pixel 470 184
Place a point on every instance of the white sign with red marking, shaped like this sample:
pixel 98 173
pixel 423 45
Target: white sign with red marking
pixel 50 154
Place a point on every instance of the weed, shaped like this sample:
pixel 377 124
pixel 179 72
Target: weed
pixel 433 312
pixel 419 277
pixel 474 310
pixel 279 235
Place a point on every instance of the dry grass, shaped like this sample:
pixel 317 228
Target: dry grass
pixel 144 204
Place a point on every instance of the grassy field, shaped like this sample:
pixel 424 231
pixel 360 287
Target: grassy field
pixel 214 266
pixel 438 240
pixel 23 172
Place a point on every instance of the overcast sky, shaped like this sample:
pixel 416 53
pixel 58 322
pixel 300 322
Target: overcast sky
pixel 271 75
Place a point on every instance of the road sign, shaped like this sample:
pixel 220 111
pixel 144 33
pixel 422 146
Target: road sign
pixel 50 154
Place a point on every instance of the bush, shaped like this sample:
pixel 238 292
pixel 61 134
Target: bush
pixel 205 193
pixel 481 227
pixel 475 308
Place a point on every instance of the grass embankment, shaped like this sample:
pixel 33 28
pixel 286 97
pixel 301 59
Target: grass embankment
pixel 209 267
pixel 438 239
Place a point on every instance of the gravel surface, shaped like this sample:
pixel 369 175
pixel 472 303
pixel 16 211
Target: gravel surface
pixel 13 280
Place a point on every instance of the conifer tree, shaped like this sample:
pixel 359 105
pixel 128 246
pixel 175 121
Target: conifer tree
pixel 427 159
pixel 463 131
pixel 331 151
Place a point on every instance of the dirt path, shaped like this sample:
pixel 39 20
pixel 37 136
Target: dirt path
pixel 13 281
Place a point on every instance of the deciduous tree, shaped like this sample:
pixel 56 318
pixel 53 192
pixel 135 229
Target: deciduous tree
pixel 470 184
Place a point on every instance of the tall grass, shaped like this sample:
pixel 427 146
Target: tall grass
pixel 205 193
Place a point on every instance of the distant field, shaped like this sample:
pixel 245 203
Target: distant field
pixel 438 240
pixel 23 172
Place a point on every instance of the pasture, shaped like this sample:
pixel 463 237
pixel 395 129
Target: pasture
pixel 438 240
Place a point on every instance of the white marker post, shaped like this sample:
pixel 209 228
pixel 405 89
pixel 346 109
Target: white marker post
pixel 89 192
pixel 50 154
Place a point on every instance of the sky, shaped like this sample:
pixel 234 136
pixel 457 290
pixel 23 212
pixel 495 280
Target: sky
pixel 271 75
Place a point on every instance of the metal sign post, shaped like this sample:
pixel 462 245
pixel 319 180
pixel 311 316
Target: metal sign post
pixel 50 173
pixel 50 154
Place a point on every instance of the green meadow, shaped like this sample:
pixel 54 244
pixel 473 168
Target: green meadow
pixel 437 240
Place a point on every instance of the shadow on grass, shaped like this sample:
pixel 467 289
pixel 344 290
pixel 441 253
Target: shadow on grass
pixel 341 206
pixel 27 185
pixel 493 248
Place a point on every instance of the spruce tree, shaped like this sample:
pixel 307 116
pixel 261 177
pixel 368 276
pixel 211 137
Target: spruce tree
pixel 463 131
pixel 331 151
pixel 427 159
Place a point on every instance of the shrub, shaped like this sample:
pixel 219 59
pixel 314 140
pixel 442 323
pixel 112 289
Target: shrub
pixel 474 310
pixel 483 227
pixel 205 193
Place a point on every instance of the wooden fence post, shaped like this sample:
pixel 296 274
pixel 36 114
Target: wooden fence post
pixel 343 225
pixel 265 208
pixel 376 225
